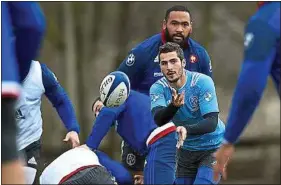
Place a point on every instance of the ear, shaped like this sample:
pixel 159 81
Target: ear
pixel 164 25
pixel 190 28
pixel 183 62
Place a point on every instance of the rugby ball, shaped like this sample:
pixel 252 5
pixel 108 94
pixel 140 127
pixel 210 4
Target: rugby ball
pixel 115 89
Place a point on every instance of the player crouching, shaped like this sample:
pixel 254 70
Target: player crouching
pixel 81 165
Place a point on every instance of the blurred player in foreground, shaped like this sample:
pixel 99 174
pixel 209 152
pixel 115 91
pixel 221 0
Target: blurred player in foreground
pixel 41 80
pixel 135 124
pixel 261 59
pixel 23 27
pixel 84 166
pixel 198 112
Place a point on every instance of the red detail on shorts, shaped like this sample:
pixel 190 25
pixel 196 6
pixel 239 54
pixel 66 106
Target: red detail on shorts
pixel 65 178
pixel 162 134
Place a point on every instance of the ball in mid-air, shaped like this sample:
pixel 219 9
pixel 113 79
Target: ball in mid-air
pixel 115 89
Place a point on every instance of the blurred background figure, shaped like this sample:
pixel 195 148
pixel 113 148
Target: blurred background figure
pixel 87 40
pixel 23 26
pixel 261 59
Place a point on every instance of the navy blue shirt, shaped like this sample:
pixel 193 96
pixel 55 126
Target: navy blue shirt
pixel 142 63
pixel 133 119
pixel 261 59
pixel 23 26
pixel 59 98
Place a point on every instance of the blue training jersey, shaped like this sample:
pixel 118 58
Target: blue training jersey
pixel 200 99
pixel 142 63
pixel 133 119
pixel 261 59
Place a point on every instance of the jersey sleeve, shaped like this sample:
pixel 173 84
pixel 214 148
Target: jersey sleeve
pixel 207 95
pixel 259 54
pixel 102 125
pixel 133 66
pixel 29 27
pixel 206 65
pixel 59 98
pixel 157 97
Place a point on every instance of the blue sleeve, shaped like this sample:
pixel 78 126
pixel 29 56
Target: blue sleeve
pixel 157 97
pixel 29 27
pixel 133 66
pixel 121 174
pixel 104 121
pixel 58 97
pixel 8 58
pixel 259 54
pixel 206 66
pixel 207 96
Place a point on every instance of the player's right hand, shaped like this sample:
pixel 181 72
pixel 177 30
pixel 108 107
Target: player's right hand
pixel 177 99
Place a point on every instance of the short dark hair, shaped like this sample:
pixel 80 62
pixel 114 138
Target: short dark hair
pixel 178 8
pixel 171 47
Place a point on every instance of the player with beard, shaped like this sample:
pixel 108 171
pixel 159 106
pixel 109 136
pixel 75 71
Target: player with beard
pixel 198 114
pixel 141 64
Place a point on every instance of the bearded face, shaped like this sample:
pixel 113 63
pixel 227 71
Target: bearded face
pixel 178 27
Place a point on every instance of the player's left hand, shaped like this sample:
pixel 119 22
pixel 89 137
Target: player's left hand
pixel 222 155
pixel 182 135
pixel 73 138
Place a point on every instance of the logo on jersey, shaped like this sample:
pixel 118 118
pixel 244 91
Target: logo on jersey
pixel 248 39
pixel 211 68
pixel 55 77
pixel 130 60
pixel 155 97
pixel 131 159
pixel 193 59
pixel 19 115
pixel 156 59
pixel 208 96
pixel 158 74
pixel 194 103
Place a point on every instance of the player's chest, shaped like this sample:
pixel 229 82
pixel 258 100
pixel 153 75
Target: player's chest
pixel 191 107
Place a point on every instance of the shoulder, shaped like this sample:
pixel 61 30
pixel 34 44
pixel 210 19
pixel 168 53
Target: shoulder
pixel 148 44
pixel 200 80
pixel 197 46
pixel 160 85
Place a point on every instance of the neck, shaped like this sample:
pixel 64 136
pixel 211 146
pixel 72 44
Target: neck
pixel 180 82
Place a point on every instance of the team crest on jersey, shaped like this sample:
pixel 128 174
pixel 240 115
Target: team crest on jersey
pixel 130 60
pixel 194 103
pixel 193 59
